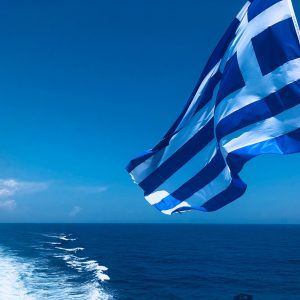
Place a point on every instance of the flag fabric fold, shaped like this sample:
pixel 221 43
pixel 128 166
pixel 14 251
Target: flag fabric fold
pixel 246 103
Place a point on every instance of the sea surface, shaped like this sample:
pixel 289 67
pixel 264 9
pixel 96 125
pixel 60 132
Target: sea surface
pixel 139 261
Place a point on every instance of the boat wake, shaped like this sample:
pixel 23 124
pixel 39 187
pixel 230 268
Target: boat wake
pixel 53 272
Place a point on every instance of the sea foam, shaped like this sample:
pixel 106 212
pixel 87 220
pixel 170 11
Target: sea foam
pixel 33 278
pixel 70 249
pixel 11 272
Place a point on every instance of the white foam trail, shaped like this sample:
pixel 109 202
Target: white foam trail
pixel 31 279
pixel 62 237
pixel 11 285
pixel 53 243
pixel 70 249
pixel 83 264
pixel 92 265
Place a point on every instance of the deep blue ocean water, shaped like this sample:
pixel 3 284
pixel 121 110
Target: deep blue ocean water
pixel 127 261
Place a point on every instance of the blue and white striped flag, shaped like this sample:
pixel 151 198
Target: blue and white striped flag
pixel 246 103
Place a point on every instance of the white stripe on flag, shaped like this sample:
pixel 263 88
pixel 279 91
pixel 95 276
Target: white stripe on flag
pixel 270 128
pixel 170 211
pixel 156 197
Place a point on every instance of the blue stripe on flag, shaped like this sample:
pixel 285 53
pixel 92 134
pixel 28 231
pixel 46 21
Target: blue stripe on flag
pixel 167 203
pixel 230 83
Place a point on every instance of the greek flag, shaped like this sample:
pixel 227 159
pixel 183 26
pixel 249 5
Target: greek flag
pixel 246 103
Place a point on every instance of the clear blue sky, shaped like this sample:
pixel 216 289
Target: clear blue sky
pixel 87 85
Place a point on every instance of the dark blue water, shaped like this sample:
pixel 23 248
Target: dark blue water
pixel 149 261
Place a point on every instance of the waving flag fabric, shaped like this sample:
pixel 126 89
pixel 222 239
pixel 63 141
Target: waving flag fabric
pixel 246 103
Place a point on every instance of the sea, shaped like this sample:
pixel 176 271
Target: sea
pixel 149 261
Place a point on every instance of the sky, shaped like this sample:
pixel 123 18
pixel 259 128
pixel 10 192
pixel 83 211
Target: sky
pixel 85 86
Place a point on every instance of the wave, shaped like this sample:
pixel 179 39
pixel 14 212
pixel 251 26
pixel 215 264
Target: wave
pixel 84 264
pixel 81 263
pixel 71 249
pixel 63 237
pixel 92 265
